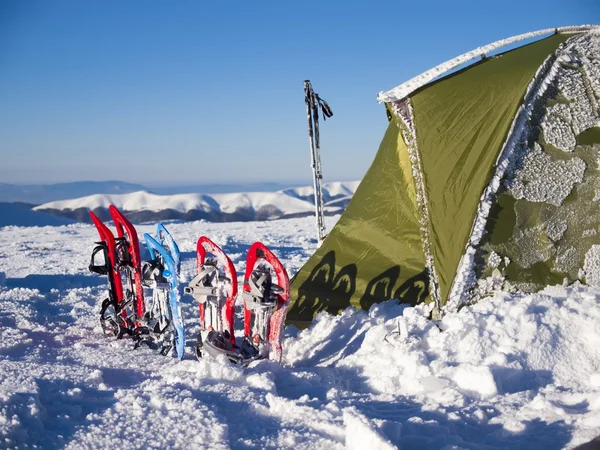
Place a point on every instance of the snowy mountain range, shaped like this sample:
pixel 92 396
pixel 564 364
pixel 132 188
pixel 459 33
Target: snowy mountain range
pixel 37 194
pixel 143 206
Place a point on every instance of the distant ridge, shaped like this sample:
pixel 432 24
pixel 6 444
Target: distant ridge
pixel 13 214
pixel 37 194
pixel 143 206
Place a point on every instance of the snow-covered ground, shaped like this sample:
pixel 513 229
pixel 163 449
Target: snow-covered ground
pixel 514 371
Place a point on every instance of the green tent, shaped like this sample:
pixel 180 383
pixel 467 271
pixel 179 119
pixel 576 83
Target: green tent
pixel 487 178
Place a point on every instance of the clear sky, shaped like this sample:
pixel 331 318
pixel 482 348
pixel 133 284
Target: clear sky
pixel 179 92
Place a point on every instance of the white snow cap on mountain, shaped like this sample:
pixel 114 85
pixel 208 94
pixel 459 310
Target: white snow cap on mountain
pixel 289 201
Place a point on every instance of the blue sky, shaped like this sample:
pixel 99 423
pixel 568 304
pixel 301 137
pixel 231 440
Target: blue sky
pixel 201 92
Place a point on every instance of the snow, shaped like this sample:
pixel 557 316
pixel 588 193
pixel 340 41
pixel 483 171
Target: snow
pixel 403 109
pixel 330 190
pixel 288 202
pixel 591 266
pixel 512 371
pixel 408 87
pixel 543 180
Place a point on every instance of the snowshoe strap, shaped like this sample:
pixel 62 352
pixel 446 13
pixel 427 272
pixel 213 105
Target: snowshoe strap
pixel 217 343
pixel 124 258
pixel 203 285
pixel 259 284
pixel 151 270
pixel 104 268
pixel 152 275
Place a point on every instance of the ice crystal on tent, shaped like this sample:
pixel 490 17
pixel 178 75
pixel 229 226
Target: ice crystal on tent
pixel 592 70
pixel 558 132
pixel 591 267
pixel 404 110
pixel 489 285
pixel 573 86
pixel 556 229
pixel 563 122
pixel 588 45
pixel 494 260
pixel 543 180
pixel 533 247
pixel 562 110
pixel 567 260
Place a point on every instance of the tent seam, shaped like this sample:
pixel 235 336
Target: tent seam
pixel 404 112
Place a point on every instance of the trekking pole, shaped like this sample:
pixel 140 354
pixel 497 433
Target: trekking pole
pixel 313 104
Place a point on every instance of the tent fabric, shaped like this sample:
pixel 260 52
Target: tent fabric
pixel 374 252
pixel 406 230
pixel 544 228
pixel 462 122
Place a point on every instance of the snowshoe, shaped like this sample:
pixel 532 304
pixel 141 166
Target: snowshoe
pixel 115 316
pixel 164 238
pixel 266 295
pixel 163 328
pixel 215 289
pixel 129 261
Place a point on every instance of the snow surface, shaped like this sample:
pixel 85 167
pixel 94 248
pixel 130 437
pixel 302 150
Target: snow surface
pixel 513 371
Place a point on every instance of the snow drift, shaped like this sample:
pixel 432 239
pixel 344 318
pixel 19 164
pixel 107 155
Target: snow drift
pixel 513 371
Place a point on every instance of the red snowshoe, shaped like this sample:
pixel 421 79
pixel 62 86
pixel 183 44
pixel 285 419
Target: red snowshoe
pixel 215 288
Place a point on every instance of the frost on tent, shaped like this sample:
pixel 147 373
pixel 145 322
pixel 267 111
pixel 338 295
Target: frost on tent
pixel 591 267
pixel 544 180
pixel 573 86
pixel 567 260
pixel 558 133
pixel 494 260
pixel 545 215
pixel 592 69
pixel 531 247
pixel 555 229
